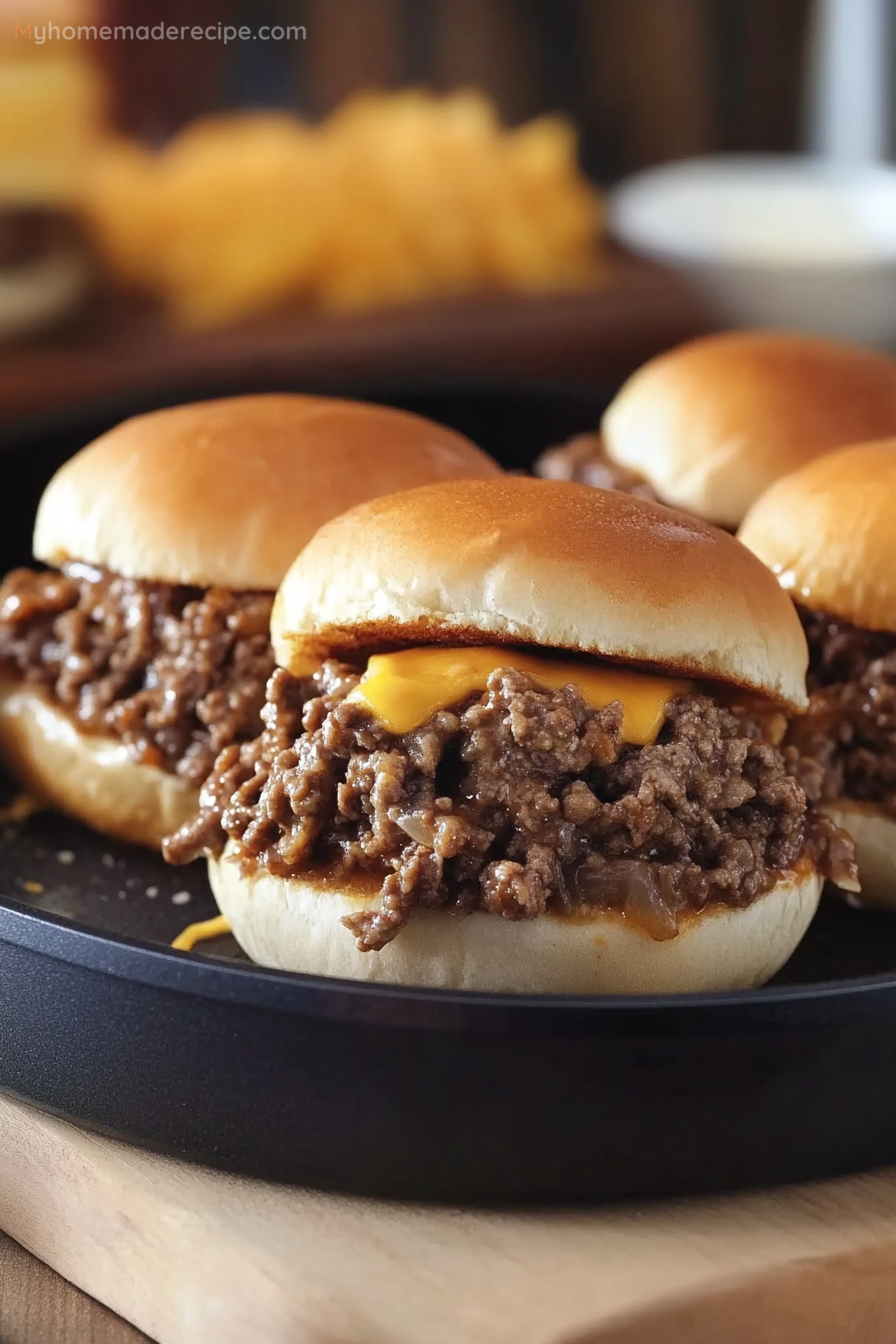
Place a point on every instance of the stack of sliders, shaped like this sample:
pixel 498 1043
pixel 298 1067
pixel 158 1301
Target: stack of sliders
pixel 144 650
pixel 523 736
pixel 827 532
pixel 706 427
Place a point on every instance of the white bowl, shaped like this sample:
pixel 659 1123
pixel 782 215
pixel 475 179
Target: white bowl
pixel 775 241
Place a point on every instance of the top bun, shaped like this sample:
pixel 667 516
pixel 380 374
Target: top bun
pixel 226 492
pixel 549 563
pixel 712 423
pixel 829 533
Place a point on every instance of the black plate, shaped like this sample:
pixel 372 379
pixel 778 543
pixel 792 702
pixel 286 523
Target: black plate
pixel 406 1092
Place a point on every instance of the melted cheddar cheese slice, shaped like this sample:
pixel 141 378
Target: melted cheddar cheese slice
pixel 403 690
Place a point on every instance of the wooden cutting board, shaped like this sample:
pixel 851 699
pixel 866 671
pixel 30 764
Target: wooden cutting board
pixel 193 1257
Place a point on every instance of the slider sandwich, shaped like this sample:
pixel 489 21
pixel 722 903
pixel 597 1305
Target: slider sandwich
pixel 522 737
pixel 829 533
pixel 708 426
pixel 144 650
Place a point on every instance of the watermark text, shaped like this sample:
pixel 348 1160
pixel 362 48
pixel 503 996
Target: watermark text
pixel 158 32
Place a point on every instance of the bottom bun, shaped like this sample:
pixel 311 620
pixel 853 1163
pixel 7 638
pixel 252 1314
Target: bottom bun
pixel 89 777
pixel 294 925
pixel 875 837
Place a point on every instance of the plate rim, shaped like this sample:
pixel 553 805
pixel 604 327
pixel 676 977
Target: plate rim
pixel 290 993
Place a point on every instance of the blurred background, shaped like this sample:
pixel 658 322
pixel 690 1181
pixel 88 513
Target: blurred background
pixel 339 191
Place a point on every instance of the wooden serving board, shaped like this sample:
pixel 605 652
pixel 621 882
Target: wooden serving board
pixel 194 1257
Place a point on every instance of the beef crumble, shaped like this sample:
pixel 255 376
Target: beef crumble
pixel 177 673
pixel 522 800
pixel 583 459
pixel 846 741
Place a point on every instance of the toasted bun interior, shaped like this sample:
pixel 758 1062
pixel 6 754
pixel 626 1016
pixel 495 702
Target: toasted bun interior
pixel 227 492
pixel 546 563
pixel 90 778
pixel 294 924
pixel 829 534
pixel 875 837
pixel 713 422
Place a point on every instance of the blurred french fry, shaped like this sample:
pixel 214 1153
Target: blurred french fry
pixel 121 203
pixel 240 229
pixel 394 199
pixel 51 113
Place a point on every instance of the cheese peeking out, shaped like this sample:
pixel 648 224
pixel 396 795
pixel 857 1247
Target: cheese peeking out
pixel 23 806
pixel 403 690
pixel 202 932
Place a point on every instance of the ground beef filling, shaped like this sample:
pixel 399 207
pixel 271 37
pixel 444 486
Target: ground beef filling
pixel 846 742
pixel 521 801
pixel 583 459
pixel 176 673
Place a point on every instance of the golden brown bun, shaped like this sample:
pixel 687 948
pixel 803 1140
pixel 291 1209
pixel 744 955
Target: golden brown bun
pixel 227 492
pixel 294 925
pixel 713 422
pixel 875 837
pixel 90 778
pixel 829 534
pixel 524 561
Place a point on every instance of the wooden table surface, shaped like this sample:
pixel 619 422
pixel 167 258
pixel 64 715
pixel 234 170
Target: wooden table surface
pixel 39 1307
pixel 596 337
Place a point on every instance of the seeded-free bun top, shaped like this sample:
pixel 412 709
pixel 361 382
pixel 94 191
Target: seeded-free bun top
pixel 712 423
pixel 543 563
pixel 829 534
pixel 226 492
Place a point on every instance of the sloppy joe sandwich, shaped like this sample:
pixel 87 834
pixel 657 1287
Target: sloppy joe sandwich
pixel 706 427
pixel 827 532
pixel 143 649
pixel 522 737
